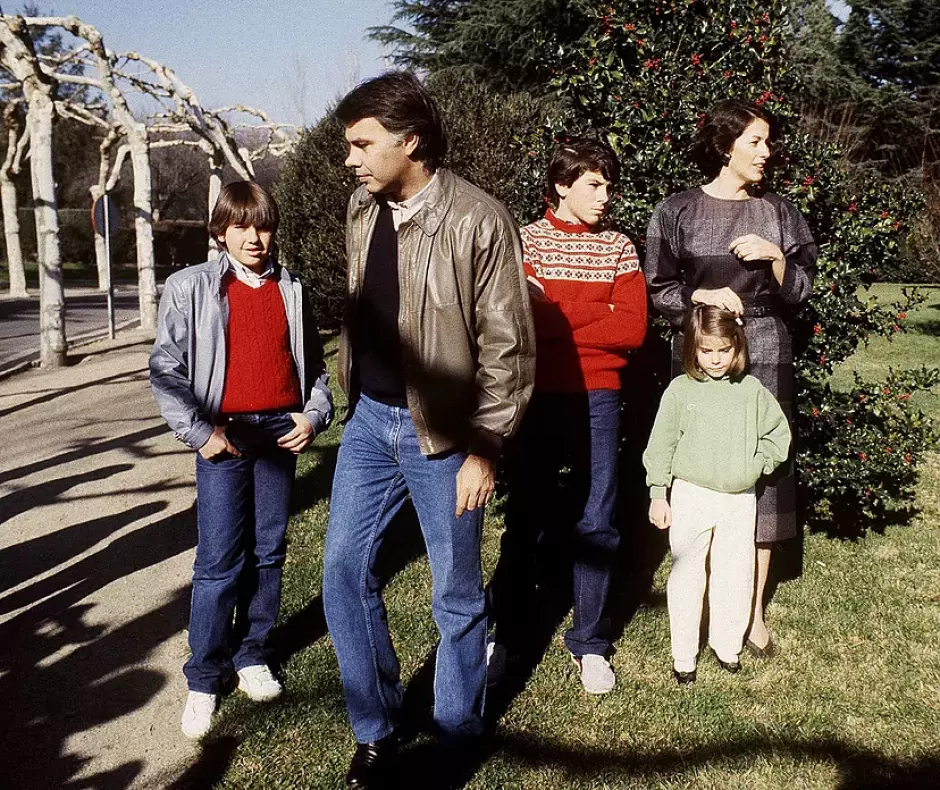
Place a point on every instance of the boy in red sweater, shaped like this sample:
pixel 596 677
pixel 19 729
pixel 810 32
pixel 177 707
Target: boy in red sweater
pixel 237 371
pixel 589 304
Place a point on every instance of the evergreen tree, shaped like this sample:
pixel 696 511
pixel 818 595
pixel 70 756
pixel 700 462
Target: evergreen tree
pixel 510 45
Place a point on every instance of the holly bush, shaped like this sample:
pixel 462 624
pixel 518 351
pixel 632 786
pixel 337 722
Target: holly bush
pixel 643 76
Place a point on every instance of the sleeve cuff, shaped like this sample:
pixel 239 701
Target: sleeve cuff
pixel 197 436
pixel 657 492
pixel 787 289
pixel 486 444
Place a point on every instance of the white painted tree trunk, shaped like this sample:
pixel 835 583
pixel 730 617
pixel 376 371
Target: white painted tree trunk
pixel 11 234
pixel 216 163
pixel 105 184
pixel 143 225
pixel 11 222
pixel 52 347
pixel 19 58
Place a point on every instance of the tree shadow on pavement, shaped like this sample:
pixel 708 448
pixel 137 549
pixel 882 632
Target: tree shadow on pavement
pixel 48 699
pixel 22 561
pixel 81 451
pixel 61 676
pixel 49 491
pixel 46 397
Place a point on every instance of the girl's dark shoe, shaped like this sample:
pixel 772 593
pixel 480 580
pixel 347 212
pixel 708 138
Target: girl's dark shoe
pixel 727 666
pixel 684 678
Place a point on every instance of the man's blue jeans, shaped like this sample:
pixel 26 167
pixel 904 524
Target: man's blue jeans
pixel 242 507
pixel 579 431
pixel 379 465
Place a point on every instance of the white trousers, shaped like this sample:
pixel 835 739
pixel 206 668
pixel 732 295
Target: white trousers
pixel 718 528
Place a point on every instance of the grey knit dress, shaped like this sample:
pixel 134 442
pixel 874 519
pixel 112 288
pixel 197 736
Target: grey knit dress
pixel 687 248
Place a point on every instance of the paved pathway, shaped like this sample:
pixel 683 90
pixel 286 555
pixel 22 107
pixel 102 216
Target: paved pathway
pixel 86 315
pixel 96 540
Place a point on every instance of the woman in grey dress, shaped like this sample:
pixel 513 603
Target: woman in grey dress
pixel 729 245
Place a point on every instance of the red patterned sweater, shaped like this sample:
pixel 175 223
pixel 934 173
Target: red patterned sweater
pixel 588 300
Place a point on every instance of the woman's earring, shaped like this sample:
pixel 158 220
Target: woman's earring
pixel 726 159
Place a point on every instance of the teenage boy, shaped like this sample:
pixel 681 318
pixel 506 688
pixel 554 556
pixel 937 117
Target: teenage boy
pixel 437 358
pixel 237 371
pixel 589 302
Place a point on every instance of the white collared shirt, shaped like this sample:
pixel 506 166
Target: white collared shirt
pixel 404 211
pixel 245 275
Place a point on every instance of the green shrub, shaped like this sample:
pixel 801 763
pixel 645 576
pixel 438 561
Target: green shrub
pixel 313 191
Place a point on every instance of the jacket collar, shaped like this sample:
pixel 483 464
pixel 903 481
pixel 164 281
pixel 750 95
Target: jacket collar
pixel 223 265
pixel 436 204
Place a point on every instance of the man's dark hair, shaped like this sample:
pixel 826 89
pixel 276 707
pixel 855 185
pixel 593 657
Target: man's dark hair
pixel 244 203
pixel 725 123
pixel 403 106
pixel 578 156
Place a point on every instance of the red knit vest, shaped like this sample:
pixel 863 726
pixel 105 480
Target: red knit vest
pixel 260 374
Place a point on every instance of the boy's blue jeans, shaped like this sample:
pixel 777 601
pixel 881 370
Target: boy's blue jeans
pixel 579 431
pixel 242 505
pixel 379 465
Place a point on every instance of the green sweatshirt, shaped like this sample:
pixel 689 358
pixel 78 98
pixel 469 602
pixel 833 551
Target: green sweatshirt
pixel 718 434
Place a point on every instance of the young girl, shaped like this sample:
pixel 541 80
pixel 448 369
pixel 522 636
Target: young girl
pixel 717 432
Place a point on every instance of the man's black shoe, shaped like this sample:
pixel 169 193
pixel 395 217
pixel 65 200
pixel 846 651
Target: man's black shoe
pixel 371 763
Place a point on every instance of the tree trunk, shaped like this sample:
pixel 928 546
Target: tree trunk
pixel 11 221
pixel 143 226
pixel 101 252
pixel 11 233
pixel 216 163
pixel 52 348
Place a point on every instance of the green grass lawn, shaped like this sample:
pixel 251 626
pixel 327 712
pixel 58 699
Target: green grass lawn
pixel 852 702
pixel 918 345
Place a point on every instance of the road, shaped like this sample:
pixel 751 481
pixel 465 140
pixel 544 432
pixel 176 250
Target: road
pixel 86 312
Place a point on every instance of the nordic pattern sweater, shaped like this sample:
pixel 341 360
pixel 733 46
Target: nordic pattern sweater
pixel 588 302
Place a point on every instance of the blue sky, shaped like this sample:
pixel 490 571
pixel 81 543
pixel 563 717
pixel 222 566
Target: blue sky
pixel 288 57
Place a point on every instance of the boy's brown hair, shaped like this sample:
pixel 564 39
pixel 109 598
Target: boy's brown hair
pixel 706 319
pixel 244 203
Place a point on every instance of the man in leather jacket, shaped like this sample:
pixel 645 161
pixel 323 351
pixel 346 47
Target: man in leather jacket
pixel 437 360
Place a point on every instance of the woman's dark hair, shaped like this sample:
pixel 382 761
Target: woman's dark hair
pixel 403 106
pixel 706 319
pixel 725 123
pixel 578 156
pixel 244 203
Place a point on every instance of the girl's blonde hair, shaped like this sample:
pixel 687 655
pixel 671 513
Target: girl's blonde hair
pixel 706 319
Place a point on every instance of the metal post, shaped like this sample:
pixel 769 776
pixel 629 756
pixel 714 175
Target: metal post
pixel 107 252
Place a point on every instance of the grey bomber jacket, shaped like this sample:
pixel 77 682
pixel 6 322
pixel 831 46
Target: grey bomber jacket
pixel 187 363
pixel 465 321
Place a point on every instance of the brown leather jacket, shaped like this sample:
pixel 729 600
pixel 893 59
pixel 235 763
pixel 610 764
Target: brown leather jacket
pixel 464 319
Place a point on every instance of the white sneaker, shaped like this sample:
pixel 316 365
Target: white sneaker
pixel 258 683
pixel 597 676
pixel 198 713
pixel 496 658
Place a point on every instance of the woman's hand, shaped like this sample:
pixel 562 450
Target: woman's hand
pixel 753 248
pixel 724 298
pixel 660 514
